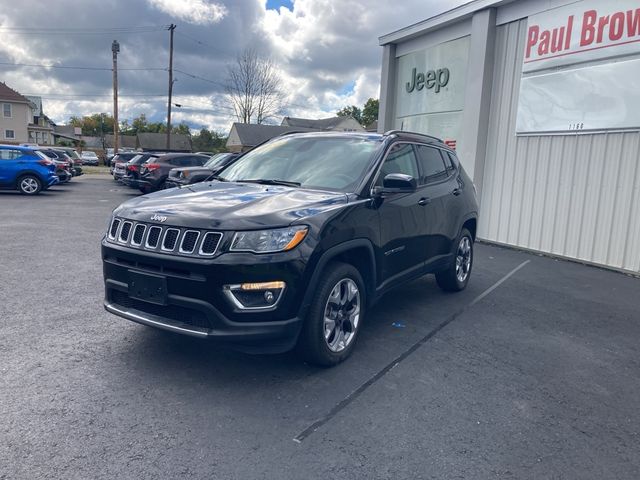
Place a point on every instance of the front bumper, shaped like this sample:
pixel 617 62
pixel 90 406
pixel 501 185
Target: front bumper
pixel 195 302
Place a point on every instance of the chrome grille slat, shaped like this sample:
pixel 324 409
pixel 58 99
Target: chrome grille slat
pixel 189 241
pixel 170 239
pixel 210 243
pixel 166 239
pixel 153 237
pixel 138 234
pixel 125 231
pixel 113 230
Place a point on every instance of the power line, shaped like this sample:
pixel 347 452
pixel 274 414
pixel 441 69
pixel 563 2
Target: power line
pixel 204 44
pixel 55 95
pixel 68 67
pixel 195 40
pixel 83 31
pixel 201 109
pixel 199 77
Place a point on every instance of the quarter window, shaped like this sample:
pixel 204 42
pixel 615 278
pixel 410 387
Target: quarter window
pixel 432 167
pixel 6 154
pixel 451 163
pixel 401 159
pixel 6 110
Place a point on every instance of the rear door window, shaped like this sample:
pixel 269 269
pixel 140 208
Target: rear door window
pixel 432 166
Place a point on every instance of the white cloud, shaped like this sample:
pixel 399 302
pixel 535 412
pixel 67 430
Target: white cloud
pixel 199 12
pixel 326 50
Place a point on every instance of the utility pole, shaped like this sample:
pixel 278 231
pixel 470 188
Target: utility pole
pixel 115 48
pixel 172 27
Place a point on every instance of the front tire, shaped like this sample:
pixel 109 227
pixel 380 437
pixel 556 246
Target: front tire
pixel 456 276
pixel 332 324
pixel 29 185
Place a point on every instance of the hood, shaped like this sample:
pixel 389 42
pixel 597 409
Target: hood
pixel 231 206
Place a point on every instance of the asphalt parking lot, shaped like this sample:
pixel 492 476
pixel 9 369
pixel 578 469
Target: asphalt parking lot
pixel 532 372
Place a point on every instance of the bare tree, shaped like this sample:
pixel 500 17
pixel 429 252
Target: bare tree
pixel 253 88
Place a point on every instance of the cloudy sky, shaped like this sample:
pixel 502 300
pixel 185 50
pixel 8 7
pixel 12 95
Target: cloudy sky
pixel 326 50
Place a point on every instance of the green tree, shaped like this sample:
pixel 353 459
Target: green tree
pixel 182 128
pixel 209 141
pixel 370 111
pixel 93 125
pixel 365 116
pixel 351 111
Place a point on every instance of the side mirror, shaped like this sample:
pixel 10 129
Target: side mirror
pixel 397 183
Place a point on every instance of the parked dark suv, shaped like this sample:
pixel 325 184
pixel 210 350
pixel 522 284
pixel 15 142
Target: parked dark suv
pixel 181 176
pixel 154 173
pixel 293 242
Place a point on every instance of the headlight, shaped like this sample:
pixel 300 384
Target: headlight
pixel 268 241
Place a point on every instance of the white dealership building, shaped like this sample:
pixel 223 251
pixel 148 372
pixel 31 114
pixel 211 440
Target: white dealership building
pixel 541 99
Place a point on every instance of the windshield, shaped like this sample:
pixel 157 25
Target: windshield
pixel 325 163
pixel 217 159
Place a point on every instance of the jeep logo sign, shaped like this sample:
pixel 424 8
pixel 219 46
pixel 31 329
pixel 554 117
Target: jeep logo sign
pixel 158 218
pixel 435 79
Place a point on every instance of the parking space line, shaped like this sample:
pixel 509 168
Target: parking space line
pixel 396 361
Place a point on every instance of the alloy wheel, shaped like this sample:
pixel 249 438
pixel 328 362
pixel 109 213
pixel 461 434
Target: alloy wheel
pixel 342 315
pixel 463 259
pixel 29 185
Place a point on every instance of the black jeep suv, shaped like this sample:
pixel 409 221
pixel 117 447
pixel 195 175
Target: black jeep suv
pixel 291 244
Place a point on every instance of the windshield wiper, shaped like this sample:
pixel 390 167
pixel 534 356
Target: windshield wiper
pixel 267 181
pixel 215 177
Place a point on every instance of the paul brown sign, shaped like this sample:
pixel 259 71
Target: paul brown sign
pixel 432 79
pixel 582 32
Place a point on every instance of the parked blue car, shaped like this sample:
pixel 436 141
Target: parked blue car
pixel 25 170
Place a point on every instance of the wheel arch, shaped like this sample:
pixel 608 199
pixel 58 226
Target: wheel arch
pixel 357 252
pixel 23 173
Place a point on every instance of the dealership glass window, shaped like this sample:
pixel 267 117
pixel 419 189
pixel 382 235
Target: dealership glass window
pixel 9 134
pixel 432 165
pixel 6 110
pixel 401 159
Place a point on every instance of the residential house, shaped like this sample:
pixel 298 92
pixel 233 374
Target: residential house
pixel 245 136
pixel 40 127
pixel 67 133
pixel 332 124
pixel 15 117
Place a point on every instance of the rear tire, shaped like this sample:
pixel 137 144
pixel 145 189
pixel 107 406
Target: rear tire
pixel 456 276
pixel 334 319
pixel 29 185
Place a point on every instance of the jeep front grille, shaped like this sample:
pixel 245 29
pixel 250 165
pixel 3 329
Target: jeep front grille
pixel 164 239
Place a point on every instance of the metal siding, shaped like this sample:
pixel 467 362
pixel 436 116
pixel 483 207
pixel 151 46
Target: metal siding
pixel 576 196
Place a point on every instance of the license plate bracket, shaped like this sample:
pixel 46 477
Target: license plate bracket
pixel 148 287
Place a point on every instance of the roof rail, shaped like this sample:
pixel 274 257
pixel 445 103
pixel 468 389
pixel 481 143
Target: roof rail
pixel 404 132
pixel 295 131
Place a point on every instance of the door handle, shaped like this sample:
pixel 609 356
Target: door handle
pixel 456 191
pixel 424 201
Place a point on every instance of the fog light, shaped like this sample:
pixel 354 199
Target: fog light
pixel 255 296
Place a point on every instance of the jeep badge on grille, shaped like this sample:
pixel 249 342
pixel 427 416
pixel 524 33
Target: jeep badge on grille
pixel 158 218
